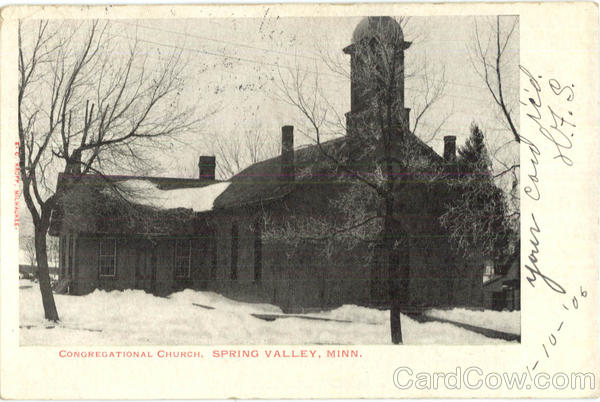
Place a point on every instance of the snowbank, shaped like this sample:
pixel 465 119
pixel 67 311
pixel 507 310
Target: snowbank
pixel 133 317
pixel 357 314
pixel 198 199
pixel 505 321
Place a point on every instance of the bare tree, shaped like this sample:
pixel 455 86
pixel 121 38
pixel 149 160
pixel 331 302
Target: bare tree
pixel 242 148
pixel 488 58
pixel 87 103
pixel 381 145
pixel 491 60
pixel 28 243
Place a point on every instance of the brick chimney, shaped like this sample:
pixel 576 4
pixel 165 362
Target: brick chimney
pixel 450 148
pixel 287 152
pixel 206 167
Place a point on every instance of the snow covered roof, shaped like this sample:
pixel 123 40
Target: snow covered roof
pixel 133 204
pixel 198 199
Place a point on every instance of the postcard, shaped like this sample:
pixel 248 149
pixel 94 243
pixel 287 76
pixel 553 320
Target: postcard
pixel 300 201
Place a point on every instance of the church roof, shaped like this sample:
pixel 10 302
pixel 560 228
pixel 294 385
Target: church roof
pixel 262 181
pixel 133 204
pixel 170 205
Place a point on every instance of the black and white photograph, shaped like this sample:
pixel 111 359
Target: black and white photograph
pixel 273 180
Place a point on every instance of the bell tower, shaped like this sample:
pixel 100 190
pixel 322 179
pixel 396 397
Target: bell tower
pixel 377 71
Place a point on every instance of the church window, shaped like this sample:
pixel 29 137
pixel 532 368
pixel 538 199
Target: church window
pixel 108 257
pixel 257 252
pixel 234 250
pixel 183 258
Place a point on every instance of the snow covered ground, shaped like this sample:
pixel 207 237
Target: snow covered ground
pixel 133 317
pixel 505 321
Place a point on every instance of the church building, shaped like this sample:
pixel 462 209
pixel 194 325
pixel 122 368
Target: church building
pixel 235 237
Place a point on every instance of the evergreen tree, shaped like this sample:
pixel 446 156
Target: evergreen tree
pixel 476 218
pixel 473 156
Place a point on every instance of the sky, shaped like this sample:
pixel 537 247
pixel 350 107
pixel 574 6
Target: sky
pixel 233 66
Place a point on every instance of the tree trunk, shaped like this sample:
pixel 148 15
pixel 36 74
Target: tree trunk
pixel 44 276
pixel 391 234
pixel 395 307
pixel 398 268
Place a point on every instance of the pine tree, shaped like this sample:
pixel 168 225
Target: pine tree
pixel 473 156
pixel 476 218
